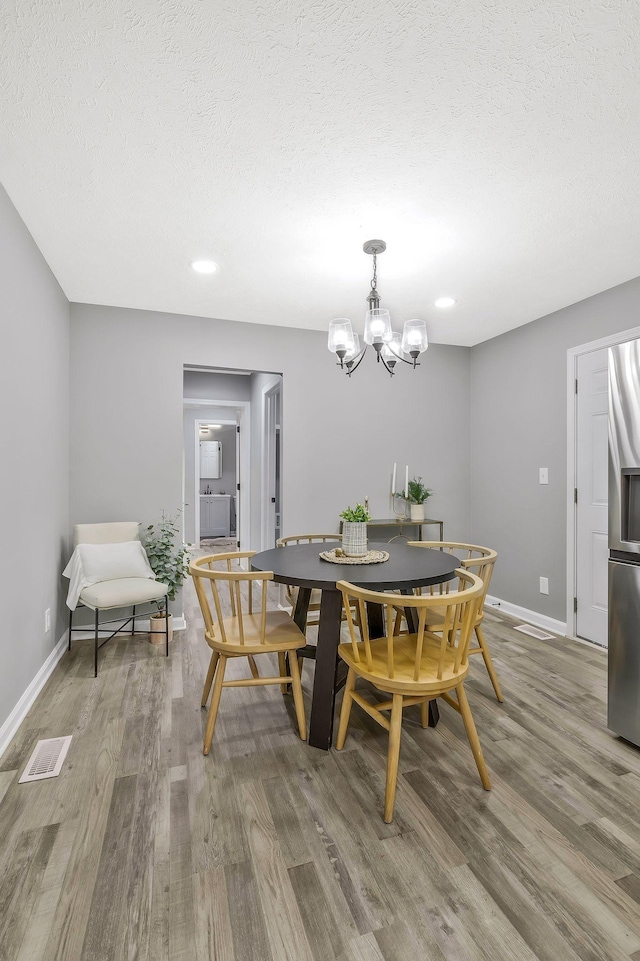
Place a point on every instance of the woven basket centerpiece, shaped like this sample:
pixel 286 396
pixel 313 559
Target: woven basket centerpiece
pixel 338 556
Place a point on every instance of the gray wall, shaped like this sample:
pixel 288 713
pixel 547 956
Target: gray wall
pixel 34 475
pixel 519 420
pixel 210 385
pixel 340 436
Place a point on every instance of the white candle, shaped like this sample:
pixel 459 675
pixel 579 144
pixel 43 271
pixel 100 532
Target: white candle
pixel 393 482
pixel 406 482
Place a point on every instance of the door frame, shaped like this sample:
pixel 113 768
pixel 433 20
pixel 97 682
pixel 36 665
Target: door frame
pixel 243 410
pixel 268 457
pixel 572 460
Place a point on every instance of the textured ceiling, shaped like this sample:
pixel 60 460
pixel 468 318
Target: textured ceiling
pixel 493 145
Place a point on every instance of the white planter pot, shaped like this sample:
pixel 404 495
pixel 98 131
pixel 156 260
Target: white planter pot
pixel 417 512
pixel 156 628
pixel 354 538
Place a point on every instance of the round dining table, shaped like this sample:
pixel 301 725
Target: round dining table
pixel 302 566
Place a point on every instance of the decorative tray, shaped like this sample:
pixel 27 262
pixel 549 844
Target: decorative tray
pixel 371 557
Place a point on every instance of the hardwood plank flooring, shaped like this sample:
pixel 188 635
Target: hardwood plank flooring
pixel 268 850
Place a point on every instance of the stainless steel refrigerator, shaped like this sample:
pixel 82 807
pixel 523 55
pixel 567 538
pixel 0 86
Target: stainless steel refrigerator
pixel 624 540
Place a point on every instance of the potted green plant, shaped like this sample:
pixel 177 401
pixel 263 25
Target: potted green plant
pixel 417 495
pixel 169 561
pixel 354 530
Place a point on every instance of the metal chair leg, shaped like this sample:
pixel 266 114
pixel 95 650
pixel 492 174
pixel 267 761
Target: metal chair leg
pixel 133 620
pixel 166 624
pixel 70 627
pixel 95 646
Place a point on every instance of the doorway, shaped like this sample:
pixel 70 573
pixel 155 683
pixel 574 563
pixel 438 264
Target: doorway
pixel 587 488
pixel 217 502
pixel 591 499
pixel 228 452
pixel 271 471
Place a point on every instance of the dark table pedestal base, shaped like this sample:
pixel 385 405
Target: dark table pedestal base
pixel 328 677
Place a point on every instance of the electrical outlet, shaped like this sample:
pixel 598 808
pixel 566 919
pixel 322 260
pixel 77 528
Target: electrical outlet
pixel 47 620
pixel 544 585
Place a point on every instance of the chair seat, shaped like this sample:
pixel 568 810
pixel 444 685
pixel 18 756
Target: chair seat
pixel 122 592
pixel 281 634
pixel 404 650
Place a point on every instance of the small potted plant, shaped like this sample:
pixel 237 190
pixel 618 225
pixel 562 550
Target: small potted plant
pixel 169 561
pixel 354 530
pixel 417 495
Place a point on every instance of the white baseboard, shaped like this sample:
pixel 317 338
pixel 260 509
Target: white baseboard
pixel 17 716
pixel 522 614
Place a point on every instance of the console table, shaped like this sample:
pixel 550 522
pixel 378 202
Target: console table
pixel 398 524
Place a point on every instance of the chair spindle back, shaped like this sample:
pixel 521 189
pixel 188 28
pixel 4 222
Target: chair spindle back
pixel 307 539
pixel 472 557
pixel 453 637
pixel 241 606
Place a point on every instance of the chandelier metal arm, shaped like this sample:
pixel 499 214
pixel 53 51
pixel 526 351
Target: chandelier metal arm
pixel 354 365
pixel 411 363
pixel 380 357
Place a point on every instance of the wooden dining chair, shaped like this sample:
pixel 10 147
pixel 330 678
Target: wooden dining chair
pixel 249 630
pixel 313 616
pixel 414 668
pixel 481 561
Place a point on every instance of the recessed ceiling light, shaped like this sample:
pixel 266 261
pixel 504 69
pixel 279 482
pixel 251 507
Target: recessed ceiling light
pixel 204 266
pixel 444 302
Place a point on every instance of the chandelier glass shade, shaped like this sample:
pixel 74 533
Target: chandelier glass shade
pixel 340 335
pixel 354 350
pixel 414 337
pixel 390 346
pixel 377 326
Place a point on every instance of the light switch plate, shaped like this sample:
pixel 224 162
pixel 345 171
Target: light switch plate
pixel 544 475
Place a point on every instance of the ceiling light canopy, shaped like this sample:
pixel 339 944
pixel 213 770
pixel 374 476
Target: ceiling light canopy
pixel 444 302
pixel 204 266
pixel 390 346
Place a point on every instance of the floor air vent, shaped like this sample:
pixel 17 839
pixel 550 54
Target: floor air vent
pixel 46 759
pixel 534 632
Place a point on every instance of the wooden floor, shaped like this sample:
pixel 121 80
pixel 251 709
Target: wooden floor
pixel 144 850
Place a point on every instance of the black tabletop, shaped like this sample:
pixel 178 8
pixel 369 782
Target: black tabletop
pixel 301 565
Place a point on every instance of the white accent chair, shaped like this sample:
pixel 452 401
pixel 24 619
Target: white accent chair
pixel 119 592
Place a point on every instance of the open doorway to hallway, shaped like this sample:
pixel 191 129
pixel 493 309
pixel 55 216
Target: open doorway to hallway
pixel 232 458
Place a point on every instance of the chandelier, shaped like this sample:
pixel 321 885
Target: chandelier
pixel 390 347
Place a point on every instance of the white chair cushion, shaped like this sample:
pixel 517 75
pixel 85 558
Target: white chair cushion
pixel 122 592
pixel 106 562
pixel 92 563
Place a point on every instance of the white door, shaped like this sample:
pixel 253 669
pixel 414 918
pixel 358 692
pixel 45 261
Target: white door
pixel 592 495
pixel 269 499
pixel 238 479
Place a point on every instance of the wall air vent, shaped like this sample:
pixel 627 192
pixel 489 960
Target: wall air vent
pixel 534 632
pixel 46 760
